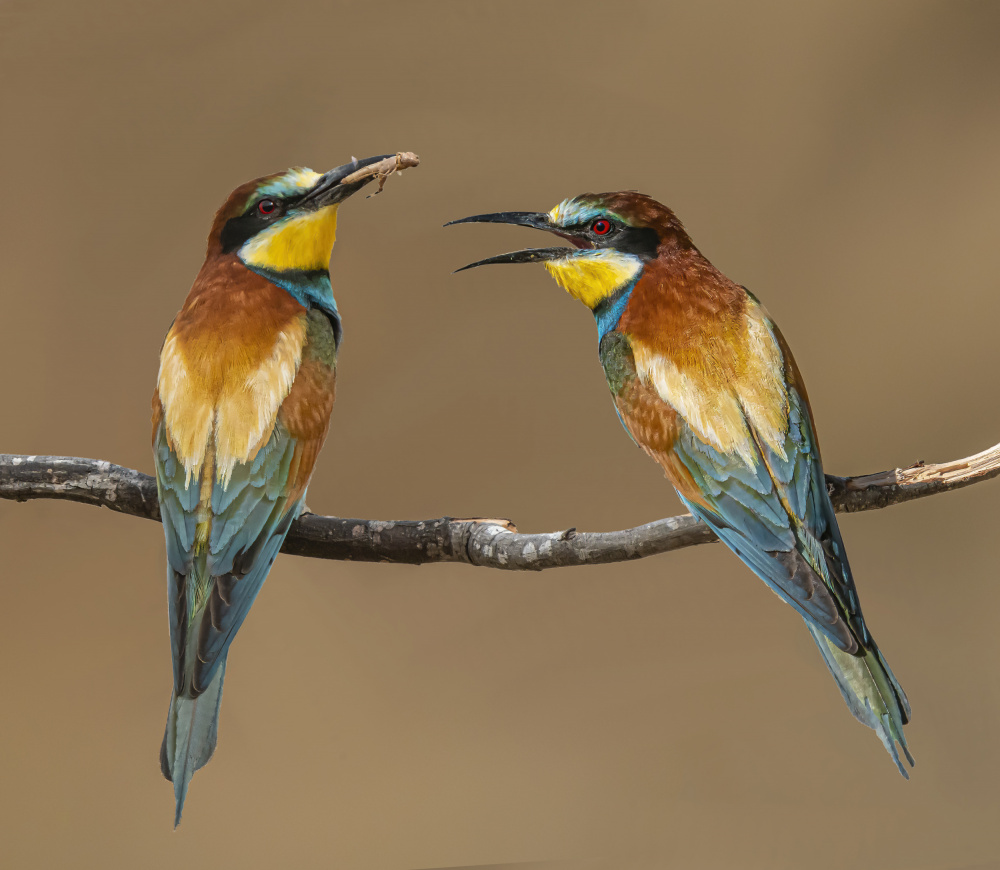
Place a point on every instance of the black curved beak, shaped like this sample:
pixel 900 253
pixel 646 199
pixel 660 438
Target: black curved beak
pixel 531 255
pixel 536 220
pixel 329 190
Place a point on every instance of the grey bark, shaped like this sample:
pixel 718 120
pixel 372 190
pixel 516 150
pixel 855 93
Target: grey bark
pixel 493 543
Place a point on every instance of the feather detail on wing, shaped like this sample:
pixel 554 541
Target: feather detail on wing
pixel 227 504
pixel 740 449
pixel 215 576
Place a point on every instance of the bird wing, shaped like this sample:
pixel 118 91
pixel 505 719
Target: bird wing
pixel 215 582
pixel 744 458
pixel 225 526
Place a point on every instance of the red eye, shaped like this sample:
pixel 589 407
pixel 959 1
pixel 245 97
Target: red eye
pixel 601 227
pixel 266 206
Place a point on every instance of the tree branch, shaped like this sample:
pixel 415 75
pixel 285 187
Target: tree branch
pixel 493 543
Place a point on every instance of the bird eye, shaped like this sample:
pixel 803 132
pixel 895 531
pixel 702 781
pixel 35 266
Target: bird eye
pixel 601 227
pixel 267 207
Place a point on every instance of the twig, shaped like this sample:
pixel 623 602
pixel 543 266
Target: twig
pixel 383 169
pixel 490 543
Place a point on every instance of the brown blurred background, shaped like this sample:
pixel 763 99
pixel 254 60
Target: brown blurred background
pixel 840 159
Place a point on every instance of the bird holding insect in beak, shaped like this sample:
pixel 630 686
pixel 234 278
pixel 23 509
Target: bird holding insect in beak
pixel 240 412
pixel 705 384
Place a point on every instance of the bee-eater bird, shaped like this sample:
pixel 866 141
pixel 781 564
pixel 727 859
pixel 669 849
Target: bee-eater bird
pixel 705 384
pixel 240 412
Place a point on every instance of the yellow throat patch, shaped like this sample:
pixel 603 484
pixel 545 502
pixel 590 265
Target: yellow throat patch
pixel 303 242
pixel 593 276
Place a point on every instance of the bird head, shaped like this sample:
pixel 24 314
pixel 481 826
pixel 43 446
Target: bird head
pixel 614 235
pixel 285 224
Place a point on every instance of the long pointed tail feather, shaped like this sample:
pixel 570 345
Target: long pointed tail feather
pixel 189 740
pixel 872 693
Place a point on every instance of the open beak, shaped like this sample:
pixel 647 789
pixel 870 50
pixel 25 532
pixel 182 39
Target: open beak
pixel 537 220
pixel 530 255
pixel 330 189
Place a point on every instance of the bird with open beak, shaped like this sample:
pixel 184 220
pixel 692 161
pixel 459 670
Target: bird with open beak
pixel 705 384
pixel 240 411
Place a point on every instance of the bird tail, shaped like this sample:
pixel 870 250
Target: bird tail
pixel 189 741
pixel 871 691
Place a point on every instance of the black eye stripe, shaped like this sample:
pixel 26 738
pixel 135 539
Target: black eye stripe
pixel 641 241
pixel 245 226
pixel 239 229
